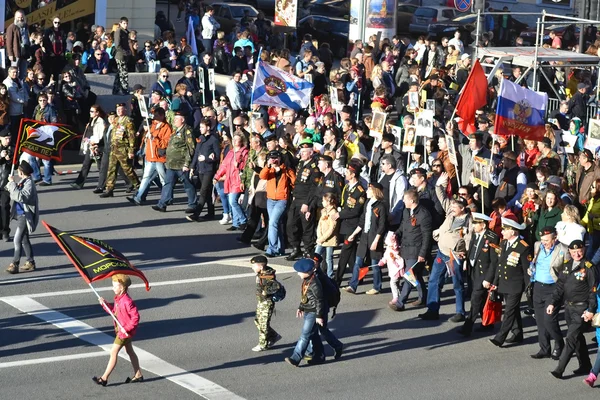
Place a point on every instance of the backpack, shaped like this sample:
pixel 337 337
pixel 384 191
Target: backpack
pixel 331 291
pixel 279 294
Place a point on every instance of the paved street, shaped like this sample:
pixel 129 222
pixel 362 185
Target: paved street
pixel 197 326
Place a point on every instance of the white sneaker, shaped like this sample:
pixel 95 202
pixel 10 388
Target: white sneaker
pixel 257 348
pixel 226 220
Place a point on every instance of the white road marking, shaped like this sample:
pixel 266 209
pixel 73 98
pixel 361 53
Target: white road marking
pixel 281 269
pixel 149 362
pixel 46 360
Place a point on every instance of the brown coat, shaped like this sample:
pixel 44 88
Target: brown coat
pixel 4 111
pixel 583 190
pixel 13 41
pixel 327 229
pixel 369 65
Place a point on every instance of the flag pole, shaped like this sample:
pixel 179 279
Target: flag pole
pixel 110 312
pixel 255 76
pixel 17 147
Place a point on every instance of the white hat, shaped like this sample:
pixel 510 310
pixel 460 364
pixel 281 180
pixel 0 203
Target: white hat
pixel 479 217
pixel 464 57
pixel 513 224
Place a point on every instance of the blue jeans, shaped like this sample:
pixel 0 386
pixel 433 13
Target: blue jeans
pixel 167 191
pixel 275 210
pixel 221 191
pixel 596 367
pixel 436 282
pixel 594 242
pixel 333 341
pixel 238 215
pixel 152 169
pixel 310 333
pixel 376 274
pixel 48 168
pixel 328 258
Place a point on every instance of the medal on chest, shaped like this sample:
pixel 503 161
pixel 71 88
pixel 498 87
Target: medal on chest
pixel 580 274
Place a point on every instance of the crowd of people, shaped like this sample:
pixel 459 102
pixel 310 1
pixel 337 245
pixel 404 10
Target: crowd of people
pixel 321 178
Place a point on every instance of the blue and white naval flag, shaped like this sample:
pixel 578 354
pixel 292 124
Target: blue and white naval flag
pixel 275 87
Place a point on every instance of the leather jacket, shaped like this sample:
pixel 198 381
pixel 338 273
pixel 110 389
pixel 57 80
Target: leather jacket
pixel 313 296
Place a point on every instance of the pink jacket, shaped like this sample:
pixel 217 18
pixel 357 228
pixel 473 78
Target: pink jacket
pixel 232 166
pixel 127 314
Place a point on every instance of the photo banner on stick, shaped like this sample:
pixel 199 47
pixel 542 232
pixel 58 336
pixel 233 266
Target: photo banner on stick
pixel 451 150
pixel 410 139
pixel 481 172
pixel 286 13
pixel 424 123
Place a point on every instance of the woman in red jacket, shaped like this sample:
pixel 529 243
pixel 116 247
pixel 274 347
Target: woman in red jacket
pixel 232 167
pixel 127 314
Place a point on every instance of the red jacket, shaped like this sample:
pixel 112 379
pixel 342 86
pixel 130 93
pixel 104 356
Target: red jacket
pixel 232 167
pixel 126 313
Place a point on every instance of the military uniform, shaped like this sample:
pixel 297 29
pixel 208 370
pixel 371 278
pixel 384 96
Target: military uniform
pixel 482 259
pixel 511 280
pixel 122 144
pixel 299 228
pixel 266 286
pixel 576 288
pixel 352 203
pixel 333 183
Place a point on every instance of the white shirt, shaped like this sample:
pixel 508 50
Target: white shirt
pixel 458 44
pixel 566 232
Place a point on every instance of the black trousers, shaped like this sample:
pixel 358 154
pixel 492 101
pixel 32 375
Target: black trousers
pixel 254 218
pixel 205 195
pixel 299 229
pixel 575 339
pixel 347 258
pixel 547 325
pixel 104 172
pixel 4 211
pixel 88 160
pixel 512 316
pixel 478 299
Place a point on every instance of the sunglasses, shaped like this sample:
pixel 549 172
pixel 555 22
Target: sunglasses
pixel 98 54
pixel 56 22
pixel 147 47
pixel 436 165
pixel 165 76
pixel 463 194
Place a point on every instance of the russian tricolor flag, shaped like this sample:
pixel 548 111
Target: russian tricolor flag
pixel 520 112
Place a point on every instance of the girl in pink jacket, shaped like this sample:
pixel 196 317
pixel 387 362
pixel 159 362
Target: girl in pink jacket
pixel 127 314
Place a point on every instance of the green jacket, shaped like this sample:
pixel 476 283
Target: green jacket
pixel 180 148
pixel 543 218
pixel 247 172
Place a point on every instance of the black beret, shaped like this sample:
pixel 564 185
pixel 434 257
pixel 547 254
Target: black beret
pixel 419 171
pixel 5 132
pixel 271 137
pixel 576 244
pixel 325 158
pixel 434 77
pixel 259 260
pixel 179 113
pixel 548 230
pixel 274 154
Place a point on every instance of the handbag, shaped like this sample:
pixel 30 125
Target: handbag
pixel 492 311
pixel 596 320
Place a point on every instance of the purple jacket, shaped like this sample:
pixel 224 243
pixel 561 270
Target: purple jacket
pixel 127 314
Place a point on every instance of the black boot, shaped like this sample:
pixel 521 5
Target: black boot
pixel 297 253
pixel 108 193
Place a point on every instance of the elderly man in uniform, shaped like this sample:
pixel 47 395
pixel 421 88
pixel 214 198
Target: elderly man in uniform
pixel 180 150
pixel 122 149
pixel 576 287
pixel 550 257
pixel 482 260
pixel 511 280
pixel 351 207
pixel 301 217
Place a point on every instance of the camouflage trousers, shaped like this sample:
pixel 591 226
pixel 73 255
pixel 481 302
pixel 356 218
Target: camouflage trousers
pixel 121 78
pixel 118 156
pixel 264 311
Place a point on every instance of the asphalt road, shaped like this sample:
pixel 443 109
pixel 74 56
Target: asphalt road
pixel 197 329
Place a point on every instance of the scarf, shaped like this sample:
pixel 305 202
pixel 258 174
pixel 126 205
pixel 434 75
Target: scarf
pixel 368 212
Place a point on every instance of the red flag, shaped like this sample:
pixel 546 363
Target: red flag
pixel 362 272
pixel 473 97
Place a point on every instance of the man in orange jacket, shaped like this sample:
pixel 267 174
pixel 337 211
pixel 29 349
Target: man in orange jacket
pixel 280 181
pixel 156 140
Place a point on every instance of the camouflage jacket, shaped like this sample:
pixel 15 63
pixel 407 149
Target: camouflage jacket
pixel 180 148
pixel 123 134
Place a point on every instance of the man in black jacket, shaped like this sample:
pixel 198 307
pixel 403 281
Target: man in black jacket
pixel 312 308
pixel 205 162
pixel 6 153
pixel 481 262
pixel 123 52
pixel 414 236
pixel 578 103
pixel 55 48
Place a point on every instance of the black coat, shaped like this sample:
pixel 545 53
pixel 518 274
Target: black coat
pixel 576 285
pixel 315 299
pixel 352 202
pixel 485 256
pixel 206 146
pixel 513 263
pixel 415 233
pixel 379 217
